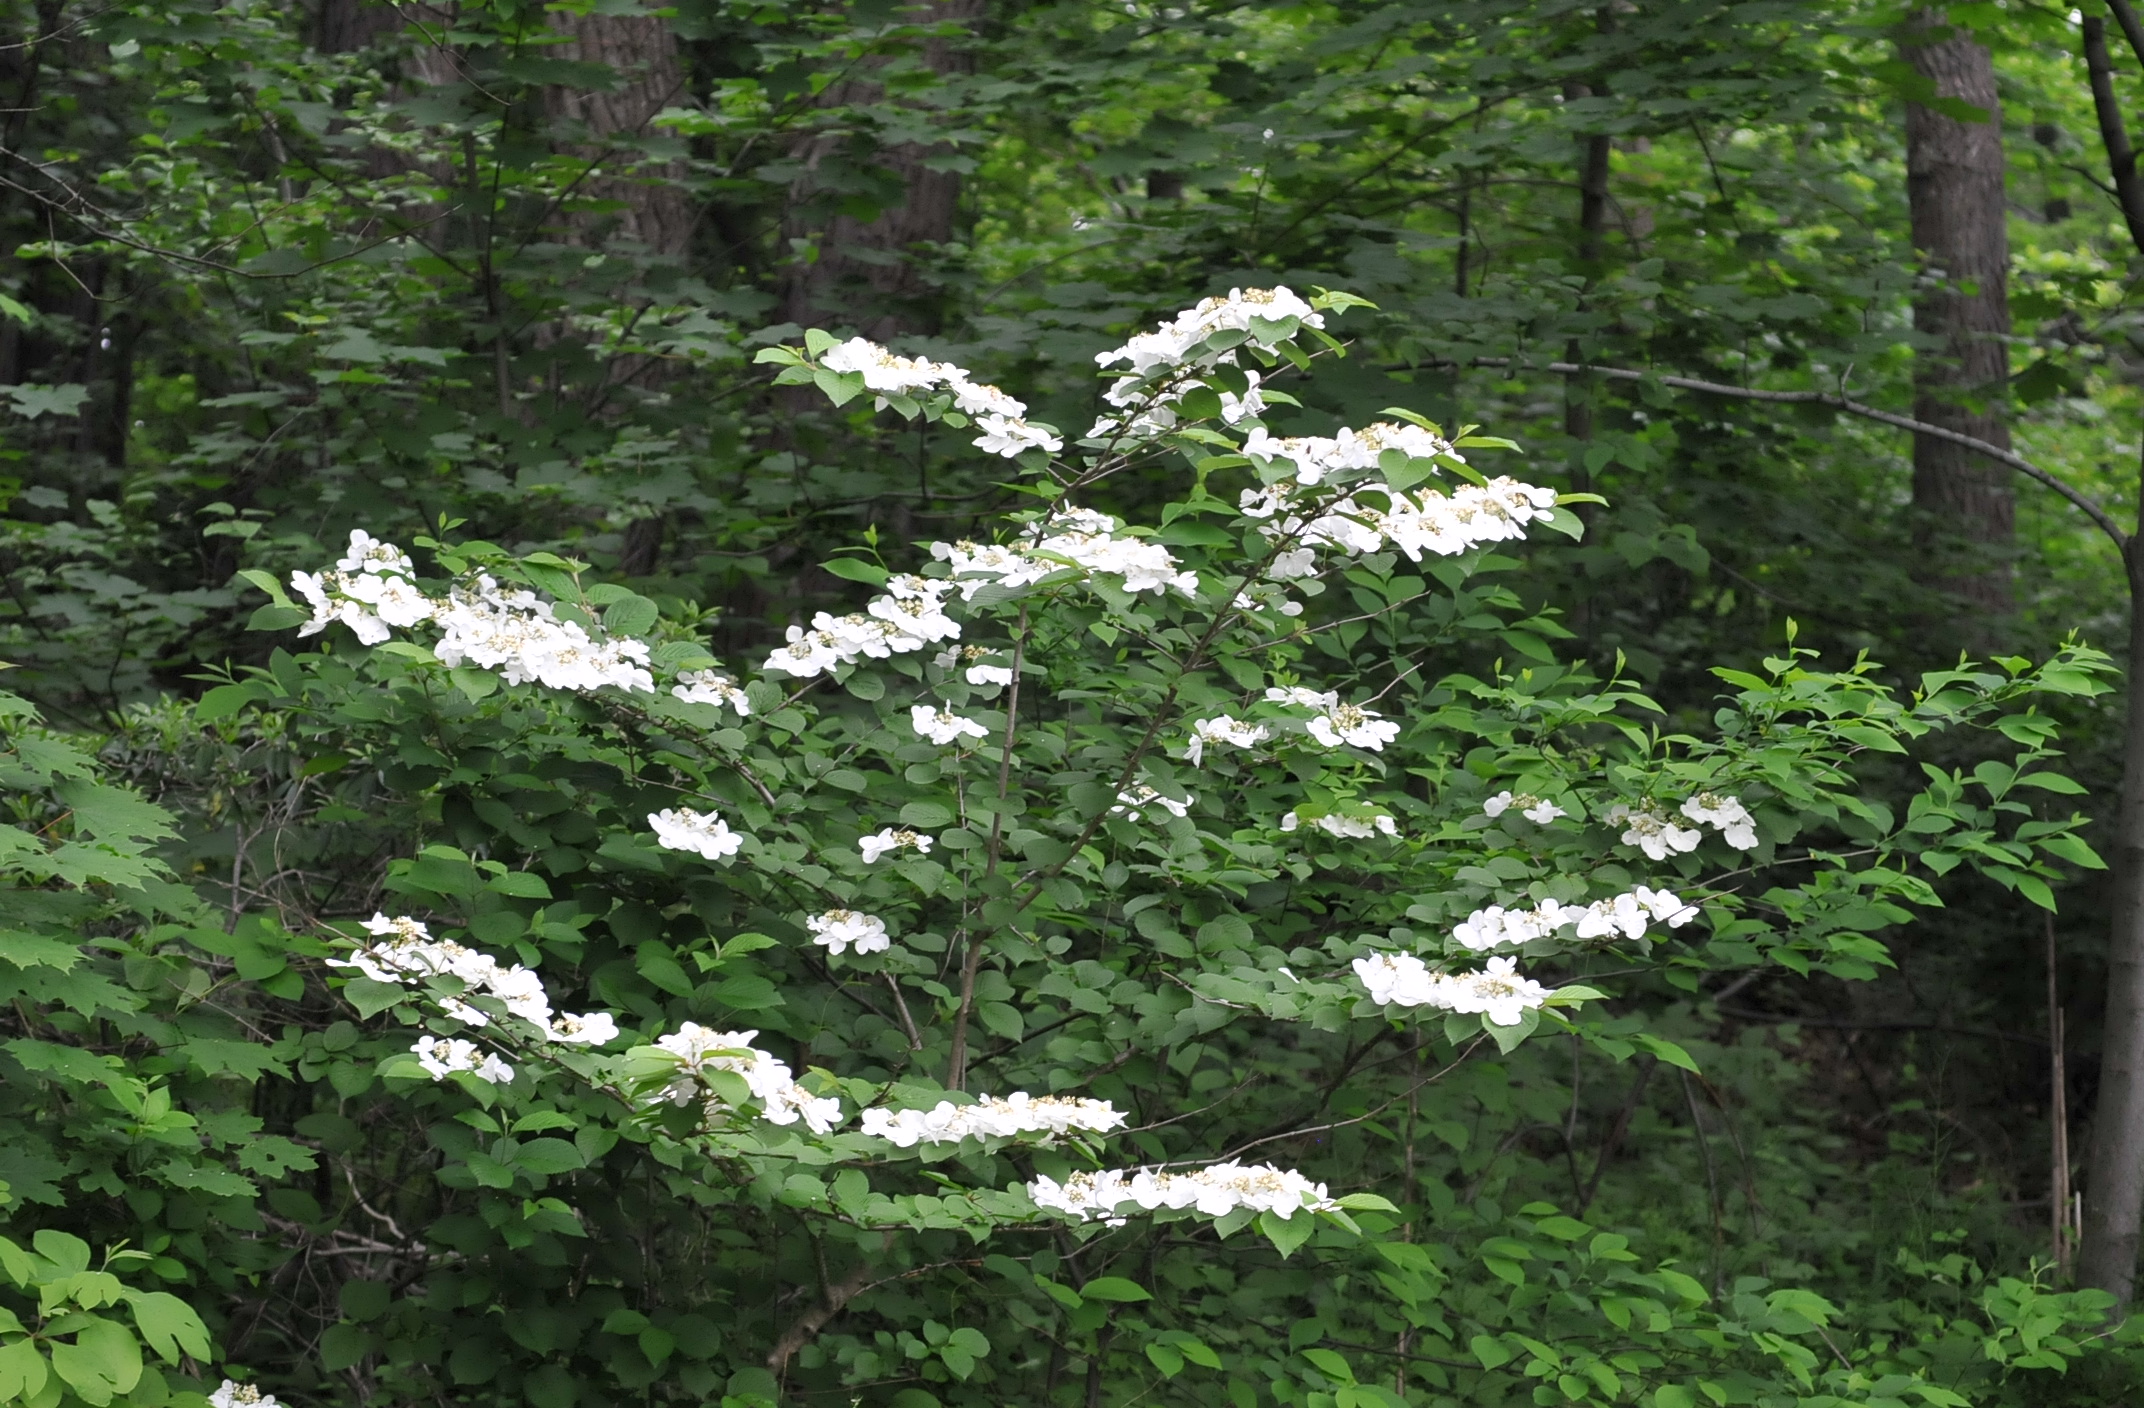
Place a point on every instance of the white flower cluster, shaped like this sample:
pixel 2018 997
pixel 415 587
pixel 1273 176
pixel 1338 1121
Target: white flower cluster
pixel 510 632
pixel 1175 341
pixel 943 726
pixel 1659 835
pixel 1140 798
pixel 1346 826
pixel 368 589
pixel 708 687
pixel 1070 536
pixel 407 952
pixel 889 840
pixel 1236 733
pixel 993 1118
pixel 909 616
pixel 1154 407
pixel 703 833
pixel 838 928
pixel 1413 521
pixel 1497 991
pixel 1216 1191
pixel 238 1395
pixel 771 1082
pixel 1338 723
pixel 1000 418
pixel 1317 457
pixel 1627 914
pixel 442 1057
pixel 1726 815
pixel 1537 810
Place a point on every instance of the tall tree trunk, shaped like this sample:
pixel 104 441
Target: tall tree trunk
pixel 1964 504
pixel 865 272
pixel 2114 1178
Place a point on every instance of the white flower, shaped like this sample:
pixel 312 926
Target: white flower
pixel 710 687
pixel 703 833
pixel 1141 797
pixel 238 1395
pixel 585 1029
pixel 395 601
pixel 891 839
pixel 807 653
pixel 770 1081
pixel 990 674
pixel 838 928
pixel 1294 563
pixel 1176 341
pixel 1237 733
pixel 1626 914
pixel 991 1117
pixel 1010 436
pixel 368 554
pixel 1345 825
pixel 1350 723
pixel 1302 696
pixel 442 1057
pixel 1726 815
pixel 1402 980
pixel 1215 1191
pixel 1652 831
pixel 1534 809
pixel 943 726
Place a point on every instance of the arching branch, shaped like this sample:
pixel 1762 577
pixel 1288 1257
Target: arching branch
pixel 2085 502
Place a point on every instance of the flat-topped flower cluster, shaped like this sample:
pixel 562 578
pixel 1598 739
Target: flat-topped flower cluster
pixel 1497 992
pixel 1000 417
pixel 992 1117
pixel 407 953
pixel 782 1101
pixel 1216 1191
pixel 1627 914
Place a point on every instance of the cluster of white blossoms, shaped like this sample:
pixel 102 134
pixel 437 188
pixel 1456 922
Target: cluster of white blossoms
pixel 1337 723
pixel 992 1117
pixel 837 929
pixel 510 632
pixel 1628 914
pixel 943 726
pixel 406 953
pixel 907 617
pixel 1726 815
pixel 1236 733
pixel 237 1395
pixel 1000 417
pixel 1538 810
pixel 442 1057
pixel 771 1082
pixel 1215 1191
pixel 1414 521
pixel 1140 798
pixel 1659 835
pixel 1174 342
pixel 368 589
pixel 1496 992
pixel 1317 458
pixel 1069 537
pixel 1155 407
pixel 703 833
pixel 891 839
pixel 1346 825
pixel 709 687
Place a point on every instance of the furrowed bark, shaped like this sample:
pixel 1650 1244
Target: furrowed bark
pixel 1965 508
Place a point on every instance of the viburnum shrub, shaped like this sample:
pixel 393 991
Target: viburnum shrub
pixel 1039 984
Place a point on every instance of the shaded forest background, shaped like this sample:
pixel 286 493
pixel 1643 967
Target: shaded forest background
pixel 272 272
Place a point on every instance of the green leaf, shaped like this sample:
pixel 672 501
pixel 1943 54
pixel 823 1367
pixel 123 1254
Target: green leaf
pixel 1331 1365
pixel 549 1156
pixel 103 1362
pixel 1115 1289
pixel 855 569
pixel 169 1325
pixel 1286 1233
pixel 1666 1050
pixel 22 1371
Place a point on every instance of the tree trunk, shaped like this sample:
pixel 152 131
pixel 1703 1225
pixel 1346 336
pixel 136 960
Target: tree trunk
pixel 2114 1178
pixel 1964 504
pixel 865 272
pixel 643 51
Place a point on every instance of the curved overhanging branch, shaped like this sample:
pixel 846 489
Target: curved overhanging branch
pixel 2084 502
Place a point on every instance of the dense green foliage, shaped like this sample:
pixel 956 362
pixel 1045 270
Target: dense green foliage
pixel 271 274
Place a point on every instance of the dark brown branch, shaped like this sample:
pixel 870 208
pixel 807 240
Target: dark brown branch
pixel 2121 160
